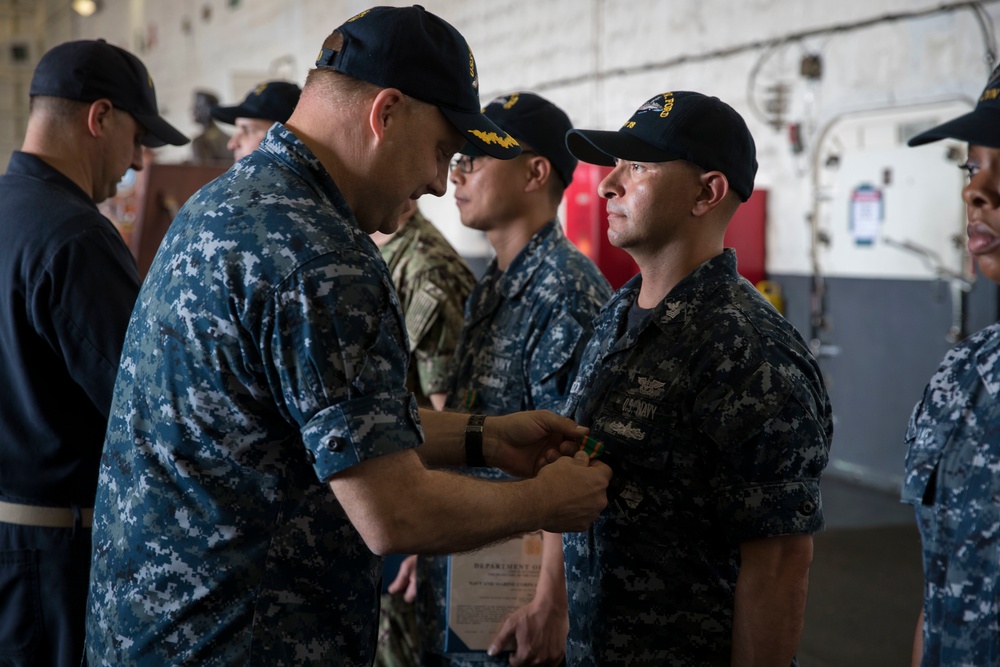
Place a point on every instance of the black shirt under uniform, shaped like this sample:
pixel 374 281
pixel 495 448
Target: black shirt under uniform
pixel 67 287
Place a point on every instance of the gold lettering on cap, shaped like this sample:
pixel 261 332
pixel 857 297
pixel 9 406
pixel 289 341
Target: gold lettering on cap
pixel 260 89
pixel 990 94
pixel 472 70
pixel 356 17
pixel 629 125
pixel 506 141
pixel 668 104
pixel 512 101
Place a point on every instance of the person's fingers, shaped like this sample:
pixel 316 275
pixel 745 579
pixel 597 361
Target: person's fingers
pixel 603 467
pixel 405 577
pixel 501 638
pixel 564 425
pixel 411 590
pixel 399 583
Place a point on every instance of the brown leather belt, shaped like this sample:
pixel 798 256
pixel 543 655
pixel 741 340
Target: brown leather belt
pixel 44 517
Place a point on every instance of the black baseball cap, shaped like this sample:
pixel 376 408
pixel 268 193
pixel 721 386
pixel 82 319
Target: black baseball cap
pixel 425 57
pixel 681 125
pixel 981 126
pixel 272 100
pixel 89 70
pixel 538 124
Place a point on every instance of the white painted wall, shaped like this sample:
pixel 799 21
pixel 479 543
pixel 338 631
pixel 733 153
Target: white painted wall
pixel 598 59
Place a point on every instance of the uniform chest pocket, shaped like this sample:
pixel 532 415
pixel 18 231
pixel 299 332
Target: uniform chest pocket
pixel 636 430
pixel 499 377
pixel 647 456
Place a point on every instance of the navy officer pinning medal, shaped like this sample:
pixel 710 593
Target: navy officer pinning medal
pixel 310 378
pixel 263 451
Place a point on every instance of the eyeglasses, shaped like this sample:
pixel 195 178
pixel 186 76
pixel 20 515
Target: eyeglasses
pixel 466 163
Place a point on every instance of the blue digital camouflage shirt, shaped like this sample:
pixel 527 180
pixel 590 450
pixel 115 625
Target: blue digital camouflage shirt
pixel 717 425
pixel 526 327
pixel 953 481
pixel 525 330
pixel 265 354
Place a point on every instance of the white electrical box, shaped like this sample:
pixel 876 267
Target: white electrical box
pixel 887 210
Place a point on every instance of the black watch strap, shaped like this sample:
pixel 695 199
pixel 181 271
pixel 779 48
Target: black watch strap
pixel 474 442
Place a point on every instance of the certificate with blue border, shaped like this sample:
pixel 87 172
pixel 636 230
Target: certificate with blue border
pixel 485 586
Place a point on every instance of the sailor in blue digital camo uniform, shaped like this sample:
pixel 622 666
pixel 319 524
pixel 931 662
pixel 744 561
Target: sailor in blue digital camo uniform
pixel 711 409
pixel 261 441
pixel 953 439
pixel 531 313
pixel 528 320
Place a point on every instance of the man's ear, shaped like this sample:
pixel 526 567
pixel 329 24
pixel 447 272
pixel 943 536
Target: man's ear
pixel 539 173
pixel 386 108
pixel 714 188
pixel 99 117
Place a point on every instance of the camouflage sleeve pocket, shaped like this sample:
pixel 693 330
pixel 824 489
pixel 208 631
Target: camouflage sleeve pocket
pixel 358 429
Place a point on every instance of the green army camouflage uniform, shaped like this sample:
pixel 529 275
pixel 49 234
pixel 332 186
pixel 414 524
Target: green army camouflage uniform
pixel 432 282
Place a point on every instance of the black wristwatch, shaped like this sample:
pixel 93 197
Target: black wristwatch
pixel 474 442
